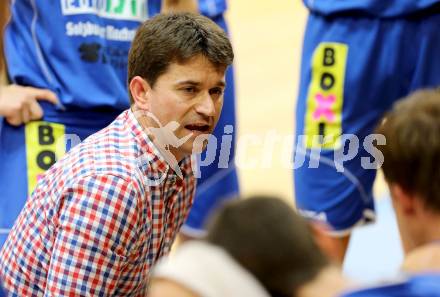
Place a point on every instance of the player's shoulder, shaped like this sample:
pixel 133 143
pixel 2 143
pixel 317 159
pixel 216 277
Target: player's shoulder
pixel 426 285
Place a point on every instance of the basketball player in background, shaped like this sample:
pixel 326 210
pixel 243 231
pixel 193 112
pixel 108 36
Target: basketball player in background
pixel 359 57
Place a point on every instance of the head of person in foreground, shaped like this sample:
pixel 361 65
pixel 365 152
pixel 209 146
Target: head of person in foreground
pixel 411 169
pixel 258 245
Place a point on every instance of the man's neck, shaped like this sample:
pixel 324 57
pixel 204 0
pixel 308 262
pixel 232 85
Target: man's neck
pixel 431 230
pixel 425 255
pixel 328 283
pixel 424 230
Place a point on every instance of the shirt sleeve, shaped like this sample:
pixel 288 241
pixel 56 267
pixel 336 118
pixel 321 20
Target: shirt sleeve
pixel 96 226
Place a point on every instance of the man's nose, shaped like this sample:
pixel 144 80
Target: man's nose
pixel 206 105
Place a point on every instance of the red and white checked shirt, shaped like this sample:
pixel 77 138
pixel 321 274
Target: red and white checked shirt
pixel 93 226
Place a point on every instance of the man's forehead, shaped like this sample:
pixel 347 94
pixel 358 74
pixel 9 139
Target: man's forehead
pixel 196 73
pixel 199 61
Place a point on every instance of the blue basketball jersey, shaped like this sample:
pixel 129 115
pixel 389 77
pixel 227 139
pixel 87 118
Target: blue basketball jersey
pixel 416 286
pixel 76 48
pixel 379 8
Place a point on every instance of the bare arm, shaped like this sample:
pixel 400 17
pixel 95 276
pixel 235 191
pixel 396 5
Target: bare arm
pixel 180 6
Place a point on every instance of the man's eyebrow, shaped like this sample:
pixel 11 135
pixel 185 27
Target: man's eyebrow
pixel 188 82
pixel 220 83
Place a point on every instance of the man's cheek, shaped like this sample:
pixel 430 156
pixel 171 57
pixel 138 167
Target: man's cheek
pixel 219 108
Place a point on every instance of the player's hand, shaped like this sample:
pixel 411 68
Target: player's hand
pixel 19 105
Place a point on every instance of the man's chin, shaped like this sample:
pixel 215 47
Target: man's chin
pixel 200 143
pixel 195 145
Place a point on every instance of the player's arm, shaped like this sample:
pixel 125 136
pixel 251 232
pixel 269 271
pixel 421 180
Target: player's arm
pixel 180 6
pixel 96 230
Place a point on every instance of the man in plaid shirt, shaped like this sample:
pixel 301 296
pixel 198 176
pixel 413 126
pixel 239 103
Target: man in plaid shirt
pixel 105 213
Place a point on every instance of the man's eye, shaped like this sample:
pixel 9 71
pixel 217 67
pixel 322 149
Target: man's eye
pixel 189 89
pixel 216 91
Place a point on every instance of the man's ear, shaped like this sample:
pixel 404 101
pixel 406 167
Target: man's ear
pixel 402 200
pixel 140 90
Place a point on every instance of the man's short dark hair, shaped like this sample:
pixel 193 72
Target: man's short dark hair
pixel 266 236
pixel 412 150
pixel 178 37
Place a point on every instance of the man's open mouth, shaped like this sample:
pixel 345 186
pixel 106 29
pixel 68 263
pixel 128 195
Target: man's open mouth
pixel 201 128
